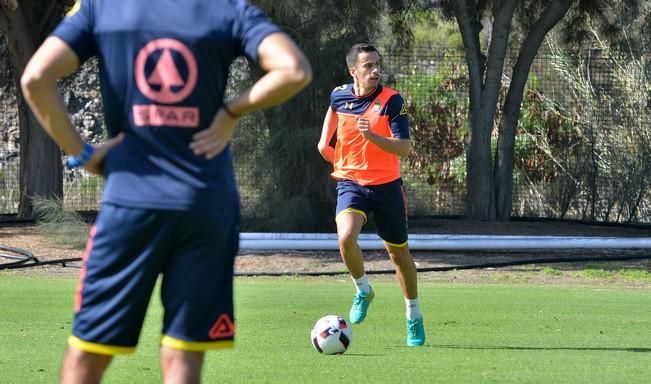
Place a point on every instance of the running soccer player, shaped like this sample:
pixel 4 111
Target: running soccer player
pixel 372 133
pixel 170 204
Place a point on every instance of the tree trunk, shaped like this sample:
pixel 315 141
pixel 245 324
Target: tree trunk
pixel 41 171
pixel 484 91
pixel 505 157
pixel 402 36
pixel 467 19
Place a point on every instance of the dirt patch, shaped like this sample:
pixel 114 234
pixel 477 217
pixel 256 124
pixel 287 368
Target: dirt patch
pixel 28 237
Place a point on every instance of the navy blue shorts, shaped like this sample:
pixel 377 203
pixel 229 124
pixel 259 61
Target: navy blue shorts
pixel 387 202
pixel 127 251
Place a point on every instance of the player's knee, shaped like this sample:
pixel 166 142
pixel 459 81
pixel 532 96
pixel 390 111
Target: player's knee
pixel 400 257
pixel 81 366
pixel 347 240
pixel 181 366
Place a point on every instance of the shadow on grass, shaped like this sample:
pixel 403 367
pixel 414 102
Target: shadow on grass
pixel 517 348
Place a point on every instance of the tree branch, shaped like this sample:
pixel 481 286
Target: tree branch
pixel 402 33
pixel 506 141
pixel 503 14
pixel 18 37
pixel 46 19
pixel 12 5
pixel 530 47
pixel 466 14
pixel 481 7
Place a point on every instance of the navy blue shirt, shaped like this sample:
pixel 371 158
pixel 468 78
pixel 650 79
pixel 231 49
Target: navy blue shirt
pixel 343 99
pixel 164 67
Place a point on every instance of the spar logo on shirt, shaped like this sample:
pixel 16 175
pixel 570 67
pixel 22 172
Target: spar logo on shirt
pixel 166 73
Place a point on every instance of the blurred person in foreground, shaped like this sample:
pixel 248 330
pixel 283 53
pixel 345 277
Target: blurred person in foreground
pixel 170 205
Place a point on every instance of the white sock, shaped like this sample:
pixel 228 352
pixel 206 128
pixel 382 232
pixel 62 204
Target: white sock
pixel 362 284
pixel 413 309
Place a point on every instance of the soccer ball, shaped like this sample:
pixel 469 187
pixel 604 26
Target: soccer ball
pixel 331 335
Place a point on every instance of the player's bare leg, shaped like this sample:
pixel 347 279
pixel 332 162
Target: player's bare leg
pixel 181 367
pixel 349 226
pixel 83 367
pixel 407 276
pixel 405 269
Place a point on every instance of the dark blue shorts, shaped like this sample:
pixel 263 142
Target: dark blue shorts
pixel 387 202
pixel 127 251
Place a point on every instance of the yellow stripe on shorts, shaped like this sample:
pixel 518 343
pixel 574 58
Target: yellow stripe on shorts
pixel 398 245
pixel 353 210
pixel 195 346
pixel 101 349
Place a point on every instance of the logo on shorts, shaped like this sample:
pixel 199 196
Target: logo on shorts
pixel 166 72
pixel 223 327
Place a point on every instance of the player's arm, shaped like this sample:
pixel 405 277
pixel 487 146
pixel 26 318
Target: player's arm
pixel 396 146
pixel 399 144
pixel 329 127
pixel 54 60
pixel 287 72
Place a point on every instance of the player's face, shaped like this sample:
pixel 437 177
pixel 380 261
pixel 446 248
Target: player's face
pixel 367 70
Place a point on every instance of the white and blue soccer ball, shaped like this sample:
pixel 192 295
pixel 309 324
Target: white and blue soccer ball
pixel 331 335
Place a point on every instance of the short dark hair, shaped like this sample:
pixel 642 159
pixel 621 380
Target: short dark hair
pixel 351 56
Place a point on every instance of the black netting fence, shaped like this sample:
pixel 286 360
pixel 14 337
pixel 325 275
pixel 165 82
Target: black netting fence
pixel 582 149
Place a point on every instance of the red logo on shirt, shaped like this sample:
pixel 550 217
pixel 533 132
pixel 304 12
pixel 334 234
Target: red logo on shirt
pixel 164 84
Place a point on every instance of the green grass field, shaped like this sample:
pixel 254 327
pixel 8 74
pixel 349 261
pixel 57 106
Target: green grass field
pixel 477 333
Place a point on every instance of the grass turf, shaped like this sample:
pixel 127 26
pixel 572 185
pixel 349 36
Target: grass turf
pixel 475 333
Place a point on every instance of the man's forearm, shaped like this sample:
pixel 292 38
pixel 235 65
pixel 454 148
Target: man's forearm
pixel 46 102
pixel 399 147
pixel 328 153
pixel 52 61
pixel 273 88
pixel 287 72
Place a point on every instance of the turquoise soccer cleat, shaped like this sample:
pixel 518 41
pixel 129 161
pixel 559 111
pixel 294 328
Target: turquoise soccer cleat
pixel 415 332
pixel 360 306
